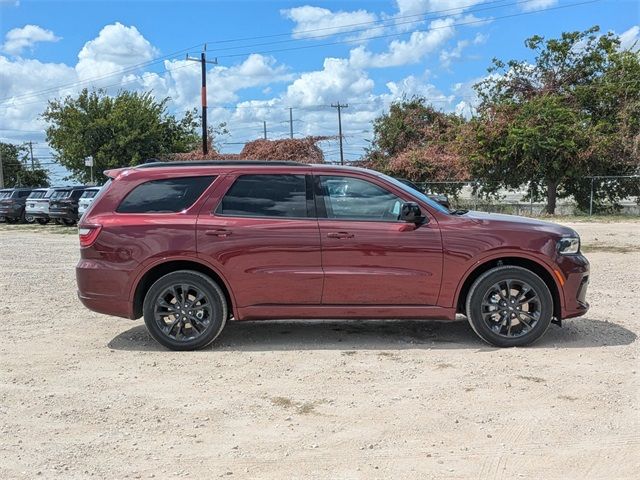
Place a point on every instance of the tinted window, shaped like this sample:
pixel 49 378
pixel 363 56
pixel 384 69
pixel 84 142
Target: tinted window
pixel 266 196
pixel 60 194
pixel 37 194
pixel 164 196
pixel 22 194
pixel 89 193
pixel 352 198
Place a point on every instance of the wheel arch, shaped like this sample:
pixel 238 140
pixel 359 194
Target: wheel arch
pixel 158 270
pixel 536 267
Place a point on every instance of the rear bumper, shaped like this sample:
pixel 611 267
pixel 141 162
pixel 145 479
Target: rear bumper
pixel 102 289
pixel 107 305
pixel 11 212
pixel 64 215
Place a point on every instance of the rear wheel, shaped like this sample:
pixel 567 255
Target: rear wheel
pixel 68 222
pixel 185 310
pixel 509 306
pixel 29 219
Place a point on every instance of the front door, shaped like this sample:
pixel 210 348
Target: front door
pixel 369 257
pixel 264 236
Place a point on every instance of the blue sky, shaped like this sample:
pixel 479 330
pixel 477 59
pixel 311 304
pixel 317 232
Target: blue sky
pixel 435 48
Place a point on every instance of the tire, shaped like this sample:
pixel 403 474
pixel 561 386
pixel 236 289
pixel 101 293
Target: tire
pixel 68 222
pixel 169 329
pixel 509 306
pixel 29 219
pixel 42 221
pixel 57 221
pixel 11 220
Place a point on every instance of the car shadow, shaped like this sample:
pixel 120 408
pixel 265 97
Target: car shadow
pixel 269 335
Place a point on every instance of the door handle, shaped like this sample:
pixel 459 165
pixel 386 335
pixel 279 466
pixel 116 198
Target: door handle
pixel 220 232
pixel 340 235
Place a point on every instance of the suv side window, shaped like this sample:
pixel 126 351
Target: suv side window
pixel 164 196
pixel 355 199
pixel 274 195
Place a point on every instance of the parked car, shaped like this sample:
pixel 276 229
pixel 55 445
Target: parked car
pixel 189 246
pixel 37 205
pixel 438 197
pixel 4 193
pixel 12 204
pixel 86 199
pixel 63 204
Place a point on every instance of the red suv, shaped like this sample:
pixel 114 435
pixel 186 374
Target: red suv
pixel 191 245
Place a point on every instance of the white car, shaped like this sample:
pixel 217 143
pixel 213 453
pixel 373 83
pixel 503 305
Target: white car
pixel 37 205
pixel 86 199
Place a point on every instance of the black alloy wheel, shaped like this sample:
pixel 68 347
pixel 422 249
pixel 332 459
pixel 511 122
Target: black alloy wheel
pixel 185 310
pixel 509 306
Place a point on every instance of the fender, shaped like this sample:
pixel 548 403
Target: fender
pixel 496 255
pixel 145 268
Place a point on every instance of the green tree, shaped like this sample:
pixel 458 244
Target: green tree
pixel 571 113
pixel 116 131
pixel 15 171
pixel 415 141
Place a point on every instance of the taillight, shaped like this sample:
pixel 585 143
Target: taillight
pixel 88 234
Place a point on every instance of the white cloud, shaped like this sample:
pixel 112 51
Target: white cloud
pixel 404 52
pixel 324 21
pixel 630 39
pixel 448 56
pixel 17 39
pixel 336 81
pixel 116 48
pixel 537 5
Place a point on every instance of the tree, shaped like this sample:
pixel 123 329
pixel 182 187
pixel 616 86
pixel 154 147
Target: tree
pixel 116 131
pixel 15 172
pixel 415 141
pixel 572 113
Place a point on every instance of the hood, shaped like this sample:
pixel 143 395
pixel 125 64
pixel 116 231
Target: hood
pixel 516 222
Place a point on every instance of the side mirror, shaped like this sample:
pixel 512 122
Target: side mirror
pixel 411 213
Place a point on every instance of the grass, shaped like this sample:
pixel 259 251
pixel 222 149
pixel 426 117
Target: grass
pixel 303 408
pixel 603 247
pixel 37 228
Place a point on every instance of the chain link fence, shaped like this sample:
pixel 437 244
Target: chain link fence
pixel 606 195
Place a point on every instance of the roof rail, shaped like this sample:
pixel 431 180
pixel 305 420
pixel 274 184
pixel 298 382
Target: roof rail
pixel 221 163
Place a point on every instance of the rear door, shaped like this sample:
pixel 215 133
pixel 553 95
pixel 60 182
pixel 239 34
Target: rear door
pixel 260 230
pixel 369 257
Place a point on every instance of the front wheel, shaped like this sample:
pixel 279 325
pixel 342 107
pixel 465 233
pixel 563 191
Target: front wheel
pixel 29 219
pixel 185 310
pixel 509 306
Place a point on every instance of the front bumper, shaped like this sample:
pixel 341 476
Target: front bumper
pixel 575 271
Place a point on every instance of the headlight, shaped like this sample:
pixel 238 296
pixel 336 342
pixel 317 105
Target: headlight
pixel 569 245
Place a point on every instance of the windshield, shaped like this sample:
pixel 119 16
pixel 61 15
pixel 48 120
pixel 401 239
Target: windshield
pixel 416 193
pixel 5 194
pixel 37 194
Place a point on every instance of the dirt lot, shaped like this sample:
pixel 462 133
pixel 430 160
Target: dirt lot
pixel 83 394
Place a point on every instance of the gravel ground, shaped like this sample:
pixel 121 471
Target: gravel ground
pixel 86 395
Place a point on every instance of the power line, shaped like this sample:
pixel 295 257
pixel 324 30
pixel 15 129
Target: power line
pixel 348 41
pixel 360 40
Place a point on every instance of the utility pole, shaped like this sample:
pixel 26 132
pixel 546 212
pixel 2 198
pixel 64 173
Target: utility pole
pixel 31 153
pixel 203 63
pixel 340 107
pixel 1 172
pixel 264 127
pixel 291 122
